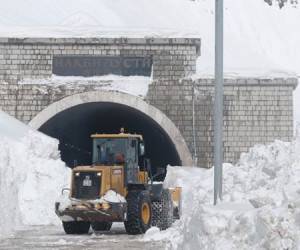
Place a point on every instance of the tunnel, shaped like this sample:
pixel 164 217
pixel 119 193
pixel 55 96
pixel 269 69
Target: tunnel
pixel 74 126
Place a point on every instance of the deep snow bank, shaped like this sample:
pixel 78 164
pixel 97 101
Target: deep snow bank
pixel 260 208
pixel 12 128
pixel 31 177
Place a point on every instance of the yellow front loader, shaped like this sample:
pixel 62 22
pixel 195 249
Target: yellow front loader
pixel 118 187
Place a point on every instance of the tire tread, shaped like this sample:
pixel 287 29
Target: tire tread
pixel 163 211
pixel 134 224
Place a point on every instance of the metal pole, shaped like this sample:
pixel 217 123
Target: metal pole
pixel 218 106
pixel 195 157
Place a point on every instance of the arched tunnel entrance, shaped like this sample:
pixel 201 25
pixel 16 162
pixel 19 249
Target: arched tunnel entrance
pixel 74 118
pixel 73 127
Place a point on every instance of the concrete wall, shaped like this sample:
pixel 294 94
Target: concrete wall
pixel 256 110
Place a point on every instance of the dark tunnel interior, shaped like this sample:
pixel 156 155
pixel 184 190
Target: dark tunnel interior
pixel 73 127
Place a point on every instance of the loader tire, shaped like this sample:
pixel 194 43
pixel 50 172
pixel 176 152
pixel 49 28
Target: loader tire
pixel 139 213
pixel 76 227
pixel 162 211
pixel 101 226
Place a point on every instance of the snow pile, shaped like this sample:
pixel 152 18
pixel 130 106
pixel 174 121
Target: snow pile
pixel 31 177
pixel 112 196
pixel 64 201
pixel 260 208
pixel 10 127
pixel 134 85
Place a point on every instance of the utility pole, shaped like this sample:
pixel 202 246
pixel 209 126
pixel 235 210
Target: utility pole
pixel 218 105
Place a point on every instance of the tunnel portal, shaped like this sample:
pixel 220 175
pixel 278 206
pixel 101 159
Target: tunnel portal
pixel 73 127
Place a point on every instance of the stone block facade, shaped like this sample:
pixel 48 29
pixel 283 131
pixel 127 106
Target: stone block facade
pixel 255 110
pixel 32 57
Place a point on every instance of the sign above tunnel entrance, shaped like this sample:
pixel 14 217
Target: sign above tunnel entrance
pixel 101 65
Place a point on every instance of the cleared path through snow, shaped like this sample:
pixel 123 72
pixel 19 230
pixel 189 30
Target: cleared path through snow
pixel 53 237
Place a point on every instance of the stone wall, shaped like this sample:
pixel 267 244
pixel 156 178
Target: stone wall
pixel 32 57
pixel 255 111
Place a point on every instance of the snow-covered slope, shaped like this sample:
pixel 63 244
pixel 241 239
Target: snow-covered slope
pixel 260 208
pixel 31 176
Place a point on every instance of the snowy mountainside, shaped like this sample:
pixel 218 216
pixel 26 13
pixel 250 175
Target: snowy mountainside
pixel 80 19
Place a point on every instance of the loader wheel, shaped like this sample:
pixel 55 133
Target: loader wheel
pixel 101 226
pixel 163 211
pixel 139 213
pixel 76 227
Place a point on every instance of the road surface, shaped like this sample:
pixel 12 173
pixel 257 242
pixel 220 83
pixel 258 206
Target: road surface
pixel 53 237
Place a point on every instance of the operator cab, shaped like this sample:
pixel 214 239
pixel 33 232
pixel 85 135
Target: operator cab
pixel 122 149
pixel 111 149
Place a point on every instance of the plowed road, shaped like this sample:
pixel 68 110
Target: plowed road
pixel 53 237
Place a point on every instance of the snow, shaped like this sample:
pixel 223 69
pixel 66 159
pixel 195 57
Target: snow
pixel 113 197
pixel 31 176
pixel 134 85
pixel 264 46
pixel 65 201
pixel 94 18
pixel 260 207
pixel 12 128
